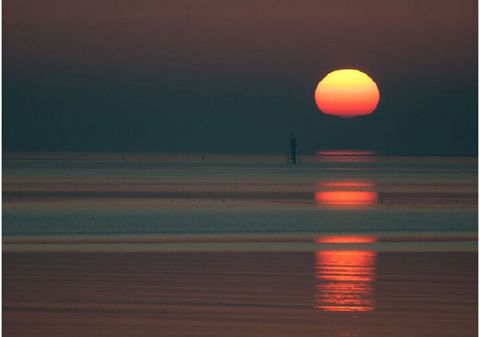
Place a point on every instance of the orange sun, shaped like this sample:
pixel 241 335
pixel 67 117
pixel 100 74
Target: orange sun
pixel 347 93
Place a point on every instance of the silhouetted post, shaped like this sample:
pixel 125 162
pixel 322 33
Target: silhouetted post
pixel 293 150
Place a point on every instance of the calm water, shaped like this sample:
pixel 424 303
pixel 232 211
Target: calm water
pixel 74 194
pixel 97 245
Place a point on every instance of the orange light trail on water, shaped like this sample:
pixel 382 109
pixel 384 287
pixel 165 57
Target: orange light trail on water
pixel 345 280
pixel 346 194
pixel 346 198
pixel 345 153
pixel 346 239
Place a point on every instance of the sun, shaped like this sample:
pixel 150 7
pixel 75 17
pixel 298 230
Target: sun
pixel 347 93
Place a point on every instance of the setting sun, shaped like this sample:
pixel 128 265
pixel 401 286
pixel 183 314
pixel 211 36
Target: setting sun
pixel 347 93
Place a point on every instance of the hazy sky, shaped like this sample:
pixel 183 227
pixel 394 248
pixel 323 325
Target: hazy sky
pixel 234 76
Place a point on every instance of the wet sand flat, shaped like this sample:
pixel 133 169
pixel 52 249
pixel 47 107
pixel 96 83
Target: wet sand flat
pixel 321 293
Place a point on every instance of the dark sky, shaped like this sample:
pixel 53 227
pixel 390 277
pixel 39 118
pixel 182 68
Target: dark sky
pixel 235 76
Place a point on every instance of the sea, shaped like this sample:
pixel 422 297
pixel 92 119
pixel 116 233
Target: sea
pixel 344 243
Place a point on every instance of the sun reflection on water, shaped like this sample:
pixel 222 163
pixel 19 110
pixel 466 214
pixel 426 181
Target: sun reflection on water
pixel 346 194
pixel 345 278
pixel 345 156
